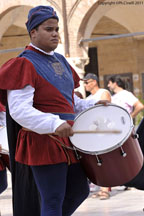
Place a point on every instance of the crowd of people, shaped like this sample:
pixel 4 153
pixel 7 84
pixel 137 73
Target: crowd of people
pixel 47 177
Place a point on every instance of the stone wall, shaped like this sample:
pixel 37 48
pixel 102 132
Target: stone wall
pixel 84 19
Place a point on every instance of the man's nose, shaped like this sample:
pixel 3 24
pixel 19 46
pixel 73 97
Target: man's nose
pixel 55 33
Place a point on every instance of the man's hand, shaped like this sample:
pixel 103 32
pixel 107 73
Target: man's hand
pixel 103 102
pixel 64 130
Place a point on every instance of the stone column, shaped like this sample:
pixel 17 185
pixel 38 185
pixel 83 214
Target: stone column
pixel 78 64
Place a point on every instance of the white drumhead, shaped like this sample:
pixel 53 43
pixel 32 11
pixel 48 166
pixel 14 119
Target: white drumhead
pixel 3 138
pixel 103 118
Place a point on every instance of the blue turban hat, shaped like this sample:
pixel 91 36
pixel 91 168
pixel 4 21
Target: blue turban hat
pixel 38 15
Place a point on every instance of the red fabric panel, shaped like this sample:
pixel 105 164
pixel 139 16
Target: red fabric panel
pixel 16 74
pixel 35 149
pixel 4 161
pixel 2 107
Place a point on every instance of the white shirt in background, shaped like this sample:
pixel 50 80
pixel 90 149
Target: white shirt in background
pixel 97 95
pixel 124 99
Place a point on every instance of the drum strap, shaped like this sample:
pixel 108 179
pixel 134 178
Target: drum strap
pixel 64 147
pixel 61 143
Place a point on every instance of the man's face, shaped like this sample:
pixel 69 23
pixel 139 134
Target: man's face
pixel 111 86
pixel 46 36
pixel 89 84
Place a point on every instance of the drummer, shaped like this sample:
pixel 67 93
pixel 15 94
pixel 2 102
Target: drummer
pixel 41 100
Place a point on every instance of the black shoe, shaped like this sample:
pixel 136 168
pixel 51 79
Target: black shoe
pixel 126 188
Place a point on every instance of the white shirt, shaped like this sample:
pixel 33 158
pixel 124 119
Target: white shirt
pixel 21 109
pixel 125 99
pixel 97 95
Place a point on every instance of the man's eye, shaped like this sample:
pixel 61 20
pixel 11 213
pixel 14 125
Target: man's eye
pixel 49 29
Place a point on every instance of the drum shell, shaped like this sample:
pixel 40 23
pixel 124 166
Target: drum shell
pixel 115 169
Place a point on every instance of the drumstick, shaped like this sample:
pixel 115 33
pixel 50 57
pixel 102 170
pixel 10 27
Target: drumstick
pixel 98 131
pixel 93 131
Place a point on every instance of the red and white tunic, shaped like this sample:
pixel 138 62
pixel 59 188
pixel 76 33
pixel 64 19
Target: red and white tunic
pixel 40 99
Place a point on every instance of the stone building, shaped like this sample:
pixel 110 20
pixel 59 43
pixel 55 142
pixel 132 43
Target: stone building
pixel 100 36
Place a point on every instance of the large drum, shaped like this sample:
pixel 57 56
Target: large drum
pixel 107 145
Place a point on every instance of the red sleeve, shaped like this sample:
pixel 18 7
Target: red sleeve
pixel 2 107
pixel 16 74
pixel 75 77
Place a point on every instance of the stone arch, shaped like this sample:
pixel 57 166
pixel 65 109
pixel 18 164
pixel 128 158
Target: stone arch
pixel 13 17
pixel 91 15
pixel 10 12
pixel 72 10
pixel 123 16
pixel 76 16
pixel 86 14
pixel 10 4
pixel 10 17
pixel 15 13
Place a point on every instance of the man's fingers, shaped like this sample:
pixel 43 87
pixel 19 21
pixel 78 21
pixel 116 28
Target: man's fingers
pixel 103 102
pixel 64 130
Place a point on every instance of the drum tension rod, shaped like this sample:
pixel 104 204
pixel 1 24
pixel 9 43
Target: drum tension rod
pixel 136 136
pixel 76 153
pixel 124 154
pixel 99 162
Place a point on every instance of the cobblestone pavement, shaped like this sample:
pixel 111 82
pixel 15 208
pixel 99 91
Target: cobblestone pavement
pixel 121 203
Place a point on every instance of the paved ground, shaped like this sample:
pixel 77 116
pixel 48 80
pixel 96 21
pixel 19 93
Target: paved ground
pixel 121 203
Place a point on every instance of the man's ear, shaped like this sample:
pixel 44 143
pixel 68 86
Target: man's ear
pixel 32 33
pixel 96 83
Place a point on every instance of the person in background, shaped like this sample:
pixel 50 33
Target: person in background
pixel 91 84
pixel 124 98
pixel 4 158
pixel 47 177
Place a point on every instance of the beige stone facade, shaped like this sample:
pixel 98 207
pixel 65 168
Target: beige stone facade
pixel 85 19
